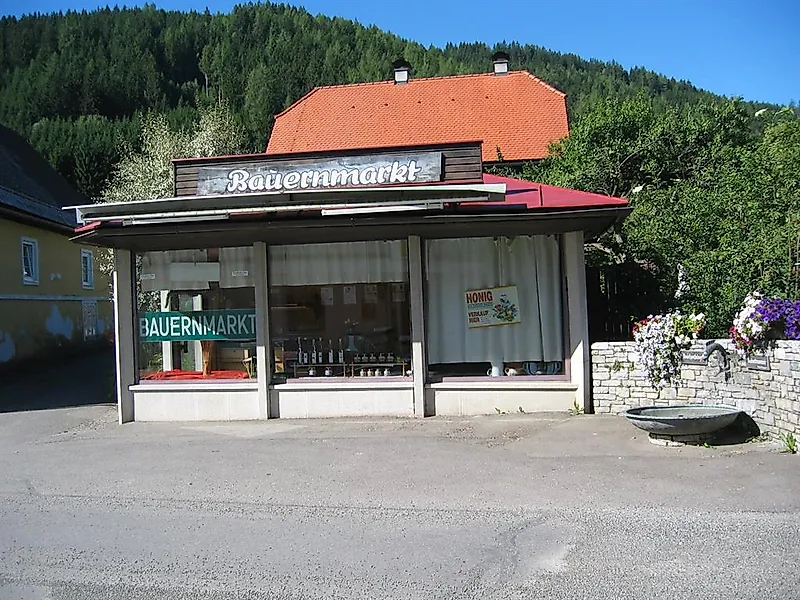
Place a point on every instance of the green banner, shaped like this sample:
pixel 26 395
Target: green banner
pixel 237 324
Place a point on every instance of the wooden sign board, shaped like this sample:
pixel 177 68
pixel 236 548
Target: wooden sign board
pixel 363 171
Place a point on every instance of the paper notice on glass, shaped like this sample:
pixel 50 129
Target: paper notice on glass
pixel 370 293
pixel 492 306
pixel 398 292
pixel 349 294
pixel 327 296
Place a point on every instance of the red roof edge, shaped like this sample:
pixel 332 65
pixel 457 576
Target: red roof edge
pixel 88 227
pixel 543 82
pixel 534 195
pixel 303 98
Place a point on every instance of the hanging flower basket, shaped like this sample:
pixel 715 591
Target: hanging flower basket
pixel 659 342
pixel 762 320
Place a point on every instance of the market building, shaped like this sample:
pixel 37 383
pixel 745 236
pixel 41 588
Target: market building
pixel 366 264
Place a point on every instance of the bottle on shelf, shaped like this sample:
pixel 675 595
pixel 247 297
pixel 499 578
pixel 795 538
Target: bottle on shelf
pixel 313 351
pixel 341 352
pixel 330 352
pixel 320 353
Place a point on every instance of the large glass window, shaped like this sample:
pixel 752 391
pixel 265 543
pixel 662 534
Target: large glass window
pixel 340 310
pixel 494 306
pixel 196 314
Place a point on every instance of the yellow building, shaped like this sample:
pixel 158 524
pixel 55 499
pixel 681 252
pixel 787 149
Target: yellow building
pixel 53 297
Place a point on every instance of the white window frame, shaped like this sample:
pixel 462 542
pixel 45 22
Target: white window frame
pixel 33 278
pixel 87 277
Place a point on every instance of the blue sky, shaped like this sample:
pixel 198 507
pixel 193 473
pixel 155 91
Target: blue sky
pixel 731 47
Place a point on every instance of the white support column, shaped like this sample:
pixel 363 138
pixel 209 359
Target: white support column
pixel 166 347
pixel 124 333
pixel 418 360
pixel 580 356
pixel 263 345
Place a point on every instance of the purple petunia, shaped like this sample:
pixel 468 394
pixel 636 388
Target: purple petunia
pixel 783 315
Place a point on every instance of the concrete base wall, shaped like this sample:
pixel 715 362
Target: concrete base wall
pixel 460 400
pixel 187 402
pixel 771 397
pixel 292 401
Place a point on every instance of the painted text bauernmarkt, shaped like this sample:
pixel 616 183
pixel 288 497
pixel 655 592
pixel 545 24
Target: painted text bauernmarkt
pixel 241 180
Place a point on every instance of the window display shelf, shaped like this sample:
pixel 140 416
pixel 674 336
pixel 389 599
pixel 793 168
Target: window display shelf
pixel 352 369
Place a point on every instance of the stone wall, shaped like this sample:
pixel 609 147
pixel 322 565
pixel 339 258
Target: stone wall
pixel 771 397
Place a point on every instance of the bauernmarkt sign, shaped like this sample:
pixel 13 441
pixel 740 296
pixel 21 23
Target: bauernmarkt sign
pixel 197 325
pixel 320 174
pixel 492 306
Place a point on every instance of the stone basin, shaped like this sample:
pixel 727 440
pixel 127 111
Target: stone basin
pixel 682 420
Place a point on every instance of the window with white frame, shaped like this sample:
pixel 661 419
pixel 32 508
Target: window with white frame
pixel 87 269
pixel 30 261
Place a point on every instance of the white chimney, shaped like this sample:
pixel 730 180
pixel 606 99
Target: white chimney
pixel 402 71
pixel 500 61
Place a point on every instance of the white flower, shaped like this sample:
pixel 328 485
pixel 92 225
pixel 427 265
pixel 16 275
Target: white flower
pixel 659 342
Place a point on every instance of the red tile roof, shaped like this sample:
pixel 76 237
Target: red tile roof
pixel 517 113
pixel 534 195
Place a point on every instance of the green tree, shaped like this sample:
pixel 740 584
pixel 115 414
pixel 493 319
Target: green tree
pixel 708 195
pixel 146 173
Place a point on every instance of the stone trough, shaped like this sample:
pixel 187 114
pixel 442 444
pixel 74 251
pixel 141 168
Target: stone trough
pixel 679 425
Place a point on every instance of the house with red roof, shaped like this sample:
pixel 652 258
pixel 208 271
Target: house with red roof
pixel 514 115
pixel 365 264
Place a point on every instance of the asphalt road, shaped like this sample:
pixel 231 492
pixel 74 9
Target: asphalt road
pixel 517 506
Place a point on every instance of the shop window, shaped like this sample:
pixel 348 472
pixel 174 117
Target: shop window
pixel 87 269
pixel 30 261
pixel 196 314
pixel 340 310
pixel 494 307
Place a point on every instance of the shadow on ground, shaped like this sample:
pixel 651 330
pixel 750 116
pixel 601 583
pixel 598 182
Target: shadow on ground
pixel 742 430
pixel 71 381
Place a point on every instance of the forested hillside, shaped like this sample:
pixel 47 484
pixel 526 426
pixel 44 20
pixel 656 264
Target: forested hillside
pixel 76 84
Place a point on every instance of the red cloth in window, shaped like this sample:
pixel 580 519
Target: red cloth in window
pixel 177 374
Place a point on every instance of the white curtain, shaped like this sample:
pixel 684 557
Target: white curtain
pixel 191 270
pixel 167 270
pixel 348 262
pixel 531 263
pixel 236 267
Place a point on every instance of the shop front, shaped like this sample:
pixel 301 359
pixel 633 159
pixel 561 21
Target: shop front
pixel 394 282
